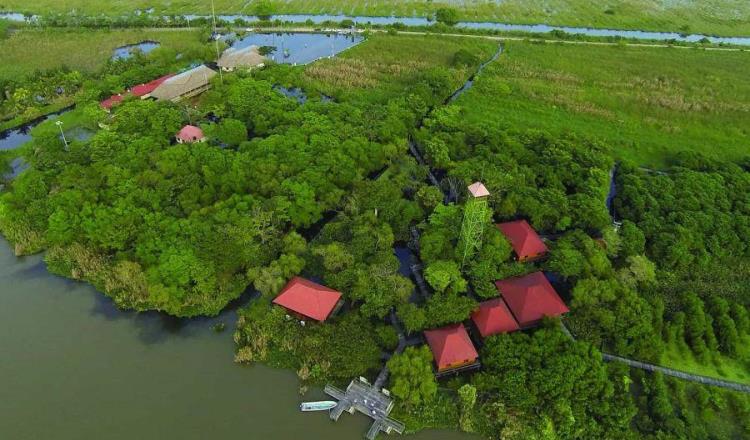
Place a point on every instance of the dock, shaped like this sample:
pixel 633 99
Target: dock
pixel 369 400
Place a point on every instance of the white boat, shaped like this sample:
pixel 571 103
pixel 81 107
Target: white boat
pixel 317 406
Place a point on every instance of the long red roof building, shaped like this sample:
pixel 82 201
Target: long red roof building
pixel 142 91
pixel 493 317
pixel 525 241
pixel 308 299
pixel 531 298
pixel 451 347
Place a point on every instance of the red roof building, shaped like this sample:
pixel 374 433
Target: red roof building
pixel 494 317
pixel 531 298
pixel 525 241
pixel 308 299
pixel 110 102
pixel 144 90
pixel 190 134
pixel 451 347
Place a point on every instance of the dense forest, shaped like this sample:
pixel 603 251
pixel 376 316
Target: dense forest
pixel 326 189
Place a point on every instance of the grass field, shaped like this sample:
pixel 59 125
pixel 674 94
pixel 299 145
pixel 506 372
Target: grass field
pixel 85 50
pixel 646 103
pixel 721 17
pixel 384 65
pixel 720 367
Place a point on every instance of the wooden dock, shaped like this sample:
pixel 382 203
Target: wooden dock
pixel 362 397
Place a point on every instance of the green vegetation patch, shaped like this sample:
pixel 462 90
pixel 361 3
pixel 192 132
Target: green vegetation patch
pixel 86 50
pixel 645 103
pixel 721 17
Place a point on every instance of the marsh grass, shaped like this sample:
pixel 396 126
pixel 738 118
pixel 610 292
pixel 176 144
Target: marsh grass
pixel 86 50
pixel 646 103
pixel 721 17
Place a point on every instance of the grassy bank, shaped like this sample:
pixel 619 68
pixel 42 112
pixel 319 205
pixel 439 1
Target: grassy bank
pixel 721 17
pixel 85 50
pixel 721 367
pixel 645 102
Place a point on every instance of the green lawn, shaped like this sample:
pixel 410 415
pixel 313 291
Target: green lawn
pixel 646 103
pixel 84 50
pixel 722 17
pixel 736 370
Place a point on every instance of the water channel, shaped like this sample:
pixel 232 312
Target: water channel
pixel 482 25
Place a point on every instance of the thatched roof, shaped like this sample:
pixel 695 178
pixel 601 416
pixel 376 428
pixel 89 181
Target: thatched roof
pixel 247 57
pixel 184 83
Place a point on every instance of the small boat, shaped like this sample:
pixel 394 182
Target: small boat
pixel 317 406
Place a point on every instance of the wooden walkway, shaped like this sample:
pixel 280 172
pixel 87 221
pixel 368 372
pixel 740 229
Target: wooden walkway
pixel 669 371
pixel 362 397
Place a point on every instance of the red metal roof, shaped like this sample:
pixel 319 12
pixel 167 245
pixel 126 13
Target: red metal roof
pixel 451 346
pixel 308 298
pixel 146 88
pixel 525 241
pixel 530 298
pixel 111 101
pixel 494 317
pixel 190 133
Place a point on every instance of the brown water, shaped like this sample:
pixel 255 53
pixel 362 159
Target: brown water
pixel 74 367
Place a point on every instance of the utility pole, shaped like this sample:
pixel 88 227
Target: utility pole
pixel 475 219
pixel 216 40
pixel 65 141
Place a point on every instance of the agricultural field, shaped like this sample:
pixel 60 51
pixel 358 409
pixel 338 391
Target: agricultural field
pixel 720 17
pixel 29 50
pixel 645 103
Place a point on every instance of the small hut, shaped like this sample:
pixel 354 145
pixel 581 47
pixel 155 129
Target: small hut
pixel 531 297
pixel 308 299
pixel 527 244
pixel 451 348
pixel 245 58
pixel 190 134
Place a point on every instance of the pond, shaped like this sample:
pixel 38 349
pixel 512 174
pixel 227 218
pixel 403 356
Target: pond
pixel 125 52
pixel 75 367
pixel 299 48
pixel 14 138
pixel 294 93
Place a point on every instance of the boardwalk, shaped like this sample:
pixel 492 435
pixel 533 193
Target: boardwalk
pixel 362 397
pixel 668 371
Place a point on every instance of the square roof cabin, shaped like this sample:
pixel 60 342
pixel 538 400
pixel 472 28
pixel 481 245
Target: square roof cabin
pixel 451 347
pixel 309 299
pixel 526 243
pixel 530 298
pixel 494 317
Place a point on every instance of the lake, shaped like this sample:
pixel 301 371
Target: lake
pixel 74 367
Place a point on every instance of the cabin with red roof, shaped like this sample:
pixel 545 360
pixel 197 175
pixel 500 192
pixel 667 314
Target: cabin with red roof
pixel 190 134
pixel 494 317
pixel 143 91
pixel 531 298
pixel 526 243
pixel 308 299
pixel 110 102
pixel 451 347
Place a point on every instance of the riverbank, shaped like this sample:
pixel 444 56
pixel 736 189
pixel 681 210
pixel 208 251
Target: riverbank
pixel 718 17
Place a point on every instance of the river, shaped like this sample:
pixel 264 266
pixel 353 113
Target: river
pixel 74 367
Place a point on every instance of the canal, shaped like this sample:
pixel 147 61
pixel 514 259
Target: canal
pixel 75 367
